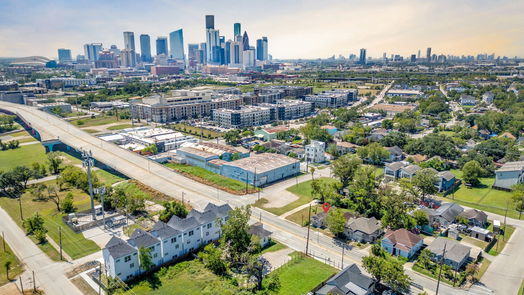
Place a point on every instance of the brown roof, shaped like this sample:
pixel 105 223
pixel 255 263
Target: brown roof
pixel 508 135
pixel 397 108
pixel 403 239
pixel 276 129
pixel 418 158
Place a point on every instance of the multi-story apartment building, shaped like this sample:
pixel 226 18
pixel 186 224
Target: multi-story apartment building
pixel 167 241
pixel 246 116
pixel 294 91
pixel 290 109
pixel 334 98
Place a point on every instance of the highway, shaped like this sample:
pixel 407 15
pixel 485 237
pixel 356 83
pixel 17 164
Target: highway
pixel 173 184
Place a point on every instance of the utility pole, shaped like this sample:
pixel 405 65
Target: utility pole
pixel 21 284
pixel 101 191
pixel 100 279
pixel 505 215
pixel 60 240
pixel 3 240
pixel 440 270
pixel 89 162
pixel 20 206
pixel 308 225
pixel 342 264
pixel 247 181
pixel 34 283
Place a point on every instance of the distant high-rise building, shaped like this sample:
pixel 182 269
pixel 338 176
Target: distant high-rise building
pixel 236 52
pixel 92 51
pixel 64 56
pixel 161 45
pixel 129 43
pixel 418 55
pixel 262 52
pixel 413 58
pixel 428 54
pixel 106 59
pixel 114 50
pixel 176 44
pixel 202 52
pixel 245 41
pixel 210 22
pixel 237 29
pixel 248 58
pixel 127 58
pixel 192 53
pixel 212 45
pixel 362 58
pixel 145 48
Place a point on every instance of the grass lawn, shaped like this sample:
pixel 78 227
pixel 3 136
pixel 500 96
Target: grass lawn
pixel 75 245
pixel 120 127
pixel 107 177
pixel 196 130
pixel 207 177
pixel 97 121
pixel 302 274
pixel 16 267
pixel 501 243
pixel 83 286
pixel 484 197
pixel 430 274
pixel 184 278
pixel 273 246
pixel 473 241
pixel 302 191
pixel 521 290
pixel 483 267
pixel 22 156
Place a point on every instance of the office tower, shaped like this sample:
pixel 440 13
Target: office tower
pixel 145 48
pixel 81 59
pixel 248 58
pixel 362 58
pixel 64 55
pixel 418 55
pixel 161 45
pixel 237 29
pixel 210 22
pixel 192 52
pixel 106 59
pixel 92 50
pixel 114 50
pixel 176 44
pixel 413 58
pixel 245 41
pixel 227 52
pixel 127 58
pixel 262 52
pixel 236 53
pixel 203 53
pixel 428 54
pixel 212 43
pixel 129 43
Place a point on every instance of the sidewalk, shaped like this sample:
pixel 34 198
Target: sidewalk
pixel 298 209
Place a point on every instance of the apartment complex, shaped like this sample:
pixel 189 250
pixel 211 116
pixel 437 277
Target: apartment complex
pixel 334 98
pixel 242 117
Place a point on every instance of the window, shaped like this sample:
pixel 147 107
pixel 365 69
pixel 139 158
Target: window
pixel 152 248
pixel 118 260
pixel 173 240
pixel 156 255
pixel 131 265
pixel 176 247
pixel 119 274
pixel 190 233
pixel 207 234
pixel 167 253
pixel 127 259
pixel 209 225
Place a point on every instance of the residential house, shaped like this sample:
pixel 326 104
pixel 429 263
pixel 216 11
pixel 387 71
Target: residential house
pixel 349 281
pixel 171 238
pixel 508 135
pixel 315 152
pixel 509 174
pixel 395 154
pixel 319 220
pixel 270 133
pixel 480 233
pixel 402 242
pixel 456 254
pixel 344 147
pixel 409 171
pixel 488 97
pixel 467 100
pixel 443 215
pixel 120 259
pixel 392 170
pixel 362 229
pixel 484 134
pixel 475 217
pixel 258 230
pixel 445 180
pixel 142 239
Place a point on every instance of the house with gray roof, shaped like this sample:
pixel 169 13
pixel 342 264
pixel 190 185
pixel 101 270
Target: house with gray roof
pixel 395 154
pixel 392 170
pixel 171 241
pixel 508 175
pixel 445 181
pixel 475 217
pixel 362 229
pixel 443 215
pixel 409 171
pixel 349 281
pixel 456 254
pixel 258 230
pixel 141 238
pixel 120 259
pixel 467 100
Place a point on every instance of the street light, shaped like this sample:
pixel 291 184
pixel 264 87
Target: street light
pixel 89 162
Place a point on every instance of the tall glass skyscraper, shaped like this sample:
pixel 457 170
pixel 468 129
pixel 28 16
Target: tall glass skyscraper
pixel 92 51
pixel 210 21
pixel 129 44
pixel 245 41
pixel 362 59
pixel 64 55
pixel 145 48
pixel 176 44
pixel 161 45
pixel 237 30
pixel 262 53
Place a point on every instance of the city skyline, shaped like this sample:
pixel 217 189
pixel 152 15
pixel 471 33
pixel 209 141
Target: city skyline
pixel 404 27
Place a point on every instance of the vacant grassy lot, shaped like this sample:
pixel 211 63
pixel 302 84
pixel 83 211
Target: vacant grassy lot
pixel 501 242
pixel 120 127
pixel 196 130
pixel 16 267
pixel 107 177
pixel 484 197
pixel 216 180
pixel 184 278
pixel 303 274
pixel 75 245
pixel 273 247
pixel 97 121
pixel 22 156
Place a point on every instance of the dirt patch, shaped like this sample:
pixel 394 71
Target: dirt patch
pixel 280 199
pixel 81 268
pixel 251 190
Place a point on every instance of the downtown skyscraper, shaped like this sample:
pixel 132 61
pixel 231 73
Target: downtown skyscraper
pixel 237 30
pixel 129 45
pixel 176 44
pixel 362 59
pixel 145 48
pixel 161 45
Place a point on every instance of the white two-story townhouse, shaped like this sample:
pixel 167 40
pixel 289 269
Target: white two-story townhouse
pixel 171 241
pixel 191 231
pixel 140 238
pixel 210 219
pixel 120 259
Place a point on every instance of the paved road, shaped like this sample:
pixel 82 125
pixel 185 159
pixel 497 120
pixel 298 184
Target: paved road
pixel 173 184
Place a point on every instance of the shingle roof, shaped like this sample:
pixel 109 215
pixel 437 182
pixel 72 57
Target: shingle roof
pixel 363 224
pixel 446 175
pixel 350 280
pixel 448 211
pixel 403 239
pixel 454 250
pixel 395 165
pixel 118 247
pixel 161 230
pixel 141 238
pixel 183 224
pixel 258 230
pixel 411 169
pixel 395 150
pixel 475 214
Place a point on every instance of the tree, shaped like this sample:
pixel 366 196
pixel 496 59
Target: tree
pixel 52 194
pixel 235 236
pixel 232 136
pixel 395 138
pixel 312 170
pixel 387 124
pixel 363 191
pixel 67 204
pixel 23 174
pixel 335 221
pixel 373 153
pixel 272 282
pixel 395 210
pixel 10 184
pixel 172 208
pixel 146 261
pixel 332 150
pixel 152 148
pixel 38 170
pixel 323 189
pixel 387 270
pixel 344 168
pixel 472 270
pixel 421 217
pixel 425 180
pixel 38 192
pixel 34 223
pixel 7 265
pixel 518 197
pixel 213 259
pixel 257 268
pixel 471 172
pixel 424 260
pixel 54 159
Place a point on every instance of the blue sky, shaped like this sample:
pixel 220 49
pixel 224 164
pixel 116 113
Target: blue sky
pixel 296 29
